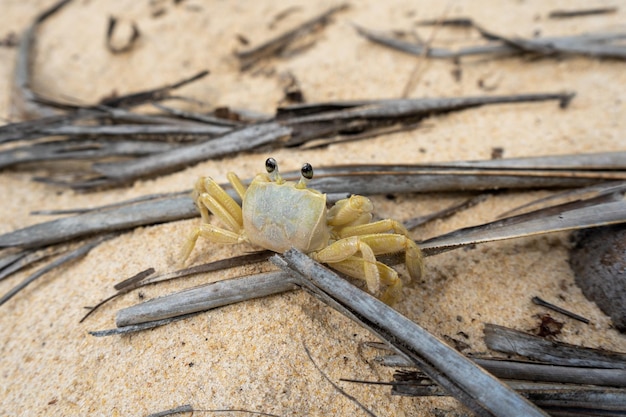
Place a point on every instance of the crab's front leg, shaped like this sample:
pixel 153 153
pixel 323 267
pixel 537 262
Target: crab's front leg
pixel 209 196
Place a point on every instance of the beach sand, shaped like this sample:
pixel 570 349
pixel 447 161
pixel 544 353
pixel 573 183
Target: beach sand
pixel 251 355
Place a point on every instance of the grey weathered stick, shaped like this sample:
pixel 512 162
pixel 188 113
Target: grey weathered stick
pixel 81 150
pixel 361 179
pixel 127 130
pixel 567 400
pixel 244 139
pixel 478 390
pixel 513 341
pixel 23 96
pixel 533 371
pixel 206 297
pixel 114 219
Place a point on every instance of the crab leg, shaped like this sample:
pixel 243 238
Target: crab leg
pixel 220 211
pixel 355 210
pixel 343 249
pixel 214 198
pixel 209 196
pixel 238 186
pixel 353 266
pixel 211 233
pixel 381 226
pixel 386 243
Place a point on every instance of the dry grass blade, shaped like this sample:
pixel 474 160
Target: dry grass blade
pixel 541 302
pixel 24 259
pixel 321 120
pixel 337 387
pixel 52 123
pixel 605 209
pixel 72 255
pixel 597 45
pixel 457 374
pixel 565 14
pixel 187 408
pixel 274 46
pixel 138 327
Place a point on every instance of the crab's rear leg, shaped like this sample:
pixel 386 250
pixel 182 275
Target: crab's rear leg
pixel 388 243
pixel 354 266
pixel 381 226
pixel 377 235
pixel 339 251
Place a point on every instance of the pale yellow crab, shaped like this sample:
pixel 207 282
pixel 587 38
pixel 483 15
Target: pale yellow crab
pixel 278 214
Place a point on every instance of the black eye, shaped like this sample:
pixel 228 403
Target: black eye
pixel 307 171
pixel 270 165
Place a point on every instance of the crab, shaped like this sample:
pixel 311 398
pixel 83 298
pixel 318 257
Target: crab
pixel 277 215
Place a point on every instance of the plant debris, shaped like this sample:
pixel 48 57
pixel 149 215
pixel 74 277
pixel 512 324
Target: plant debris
pixel 277 45
pixel 130 43
pixel 594 45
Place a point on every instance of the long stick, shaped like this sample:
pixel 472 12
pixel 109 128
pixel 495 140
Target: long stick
pixel 480 391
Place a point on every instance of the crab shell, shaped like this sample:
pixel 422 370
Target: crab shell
pixel 278 216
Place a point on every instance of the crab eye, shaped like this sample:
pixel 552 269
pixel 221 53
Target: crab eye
pixel 270 165
pixel 307 171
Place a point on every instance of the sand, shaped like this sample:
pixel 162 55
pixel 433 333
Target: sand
pixel 251 355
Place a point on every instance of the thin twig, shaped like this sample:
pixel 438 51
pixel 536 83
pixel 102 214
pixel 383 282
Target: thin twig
pixel 543 303
pixel 337 387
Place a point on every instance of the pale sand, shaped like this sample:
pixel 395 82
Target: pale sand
pixel 251 356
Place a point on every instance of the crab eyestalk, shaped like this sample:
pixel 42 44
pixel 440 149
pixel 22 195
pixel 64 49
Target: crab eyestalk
pixel 271 166
pixel 306 175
